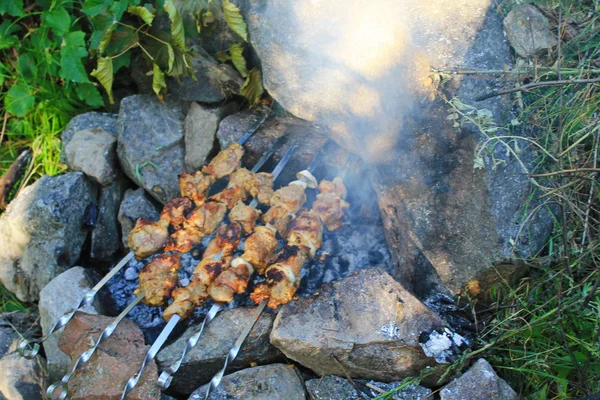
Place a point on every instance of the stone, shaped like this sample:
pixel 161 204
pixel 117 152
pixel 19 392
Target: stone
pixel 331 388
pixel 90 120
pixel 42 232
pixel 273 382
pixel 106 235
pixel 204 360
pixel 117 359
pixel 58 297
pixel 409 392
pixel 150 144
pixel 529 31
pixel 479 382
pixel 136 204
pixel 93 151
pixel 201 124
pixel 22 379
pixel 213 84
pixel 447 224
pixel 365 326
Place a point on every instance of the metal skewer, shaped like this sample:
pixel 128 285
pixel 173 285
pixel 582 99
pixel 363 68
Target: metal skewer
pixel 30 348
pixel 167 378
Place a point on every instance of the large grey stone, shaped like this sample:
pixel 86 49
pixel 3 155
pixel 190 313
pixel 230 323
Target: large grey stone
pixel 201 124
pixel 204 360
pixel 60 296
pixel 90 120
pixel 94 152
pixel 529 31
pixel 409 392
pixel 136 204
pixel 150 144
pixel 366 325
pixel 480 382
pixel 364 76
pixel 213 84
pixel 106 235
pixel 331 388
pixel 272 382
pixel 42 232
pixel 22 379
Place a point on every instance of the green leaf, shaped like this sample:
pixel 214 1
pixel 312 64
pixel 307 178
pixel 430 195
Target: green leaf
pixel 237 58
pixel 104 74
pixel 234 19
pixel 118 8
pixel 90 94
pixel 92 8
pixel 171 60
pixel 59 20
pixel 122 39
pixel 27 67
pixel 252 89
pixel 7 39
pixel 176 24
pixel 3 73
pixel 72 51
pixel 158 80
pixel 12 7
pixel 103 44
pixel 143 13
pixel 124 60
pixel 19 100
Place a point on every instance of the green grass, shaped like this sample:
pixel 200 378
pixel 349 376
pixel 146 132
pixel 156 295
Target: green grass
pixel 9 303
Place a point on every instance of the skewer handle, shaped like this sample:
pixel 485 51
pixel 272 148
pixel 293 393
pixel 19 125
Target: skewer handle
pixel 30 348
pixel 216 380
pixel 162 338
pixel 166 377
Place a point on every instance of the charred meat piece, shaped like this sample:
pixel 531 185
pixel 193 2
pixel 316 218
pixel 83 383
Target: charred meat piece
pixel 183 240
pixel 331 210
pixel 283 278
pixel 244 215
pixel 147 237
pixel 185 299
pixel 175 211
pixel 261 187
pixel 229 196
pixel 291 197
pixel 259 248
pixel 224 163
pixel 278 217
pixel 158 279
pixel 233 280
pixel 335 188
pixel 217 256
pixel 195 186
pixel 306 232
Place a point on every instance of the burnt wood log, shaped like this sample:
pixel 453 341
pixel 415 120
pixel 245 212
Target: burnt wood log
pixel 12 176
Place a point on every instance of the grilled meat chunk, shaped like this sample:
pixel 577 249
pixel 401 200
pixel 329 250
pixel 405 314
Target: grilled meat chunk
pixel 229 196
pixel 158 279
pixel 259 247
pixel 244 215
pixel 147 237
pixel 233 280
pixel 278 217
pixel 306 232
pixel 185 299
pixel 199 223
pixel 291 197
pixel 331 210
pixel 225 162
pixel 175 211
pixel 261 187
pixel 195 186
pixel 217 256
pixel 335 188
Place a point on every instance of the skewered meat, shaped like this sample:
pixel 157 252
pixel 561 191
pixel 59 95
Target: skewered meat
pixel 241 177
pixel 195 186
pixel 199 223
pixel 283 278
pixel 175 210
pixel 147 237
pixel 331 210
pixel 259 247
pixel 158 279
pixel 224 163
pixel 186 299
pixel 335 187
pixel 245 215
pixel 306 232
pixel 261 187
pixel 225 242
pixel 229 196
pixel 291 197
pixel 278 217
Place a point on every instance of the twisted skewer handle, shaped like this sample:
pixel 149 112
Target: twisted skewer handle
pixel 166 377
pixel 162 338
pixel 30 348
pixel 63 384
pixel 216 380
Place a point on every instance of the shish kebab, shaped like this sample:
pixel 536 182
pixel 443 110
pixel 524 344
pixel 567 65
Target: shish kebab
pixel 258 251
pixel 217 257
pixel 283 277
pixel 161 273
pixel 30 348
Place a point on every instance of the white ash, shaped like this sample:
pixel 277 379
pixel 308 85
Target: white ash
pixel 442 346
pixel 131 274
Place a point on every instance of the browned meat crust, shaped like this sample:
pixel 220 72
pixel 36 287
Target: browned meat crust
pixel 158 279
pixel 147 237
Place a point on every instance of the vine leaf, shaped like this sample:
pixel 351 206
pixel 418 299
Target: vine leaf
pixel 158 80
pixel 142 12
pixel 91 8
pixel 88 93
pixel 59 20
pixel 252 89
pixel 104 74
pixel 177 31
pixel 237 58
pixel 106 39
pixel 72 51
pixel 14 8
pixel 234 19
pixel 19 100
